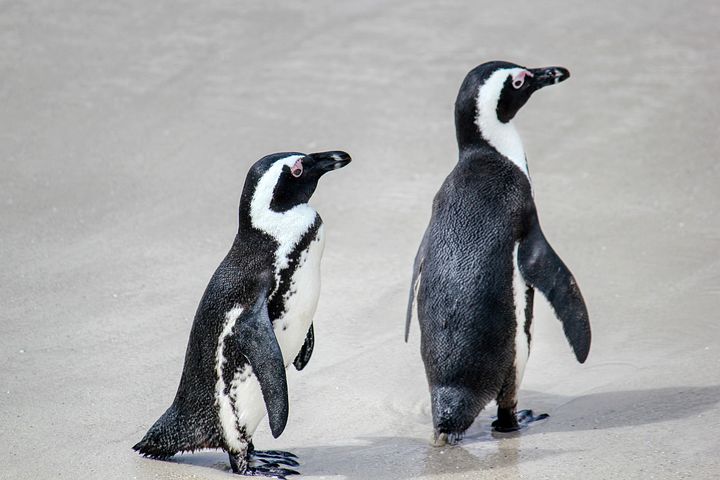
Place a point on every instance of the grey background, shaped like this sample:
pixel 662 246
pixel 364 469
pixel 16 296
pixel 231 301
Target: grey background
pixel 126 130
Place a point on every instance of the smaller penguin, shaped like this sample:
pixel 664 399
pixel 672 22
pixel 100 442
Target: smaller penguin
pixel 254 319
pixel 483 256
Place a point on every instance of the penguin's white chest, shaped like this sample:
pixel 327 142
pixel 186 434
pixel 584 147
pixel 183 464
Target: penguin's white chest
pixel 290 329
pixel 522 341
pixel 300 300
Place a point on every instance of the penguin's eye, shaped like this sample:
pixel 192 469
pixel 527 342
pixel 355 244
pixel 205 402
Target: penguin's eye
pixel 297 169
pixel 519 79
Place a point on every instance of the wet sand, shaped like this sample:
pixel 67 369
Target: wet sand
pixel 126 131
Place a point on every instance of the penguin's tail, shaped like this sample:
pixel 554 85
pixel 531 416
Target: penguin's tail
pixel 168 436
pixel 454 409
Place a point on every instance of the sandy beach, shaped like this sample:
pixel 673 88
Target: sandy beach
pixel 126 131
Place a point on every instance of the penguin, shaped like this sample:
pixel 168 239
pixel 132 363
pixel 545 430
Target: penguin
pixel 481 259
pixel 254 319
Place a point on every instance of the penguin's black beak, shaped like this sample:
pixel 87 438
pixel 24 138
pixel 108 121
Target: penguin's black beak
pixel 542 77
pixel 324 162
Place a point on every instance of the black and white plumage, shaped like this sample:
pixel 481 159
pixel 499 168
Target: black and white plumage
pixel 254 319
pixel 482 257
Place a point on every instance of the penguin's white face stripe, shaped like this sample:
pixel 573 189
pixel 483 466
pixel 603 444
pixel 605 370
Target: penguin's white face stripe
pixel 502 136
pixel 522 348
pixel 224 402
pixel 288 227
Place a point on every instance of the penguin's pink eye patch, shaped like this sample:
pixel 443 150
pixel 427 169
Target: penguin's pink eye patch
pixel 519 78
pixel 297 169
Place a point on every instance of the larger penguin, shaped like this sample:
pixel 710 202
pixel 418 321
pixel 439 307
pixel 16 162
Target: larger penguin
pixel 481 258
pixel 254 319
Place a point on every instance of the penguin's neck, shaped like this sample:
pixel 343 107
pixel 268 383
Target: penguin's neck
pixel 478 126
pixel 504 138
pixel 285 227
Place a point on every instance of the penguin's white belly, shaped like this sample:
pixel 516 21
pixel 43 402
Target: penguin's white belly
pixel 290 330
pixel 301 300
pixel 522 347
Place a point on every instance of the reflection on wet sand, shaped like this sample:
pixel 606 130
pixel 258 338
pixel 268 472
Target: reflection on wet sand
pixel 402 458
pixel 482 453
pixel 491 458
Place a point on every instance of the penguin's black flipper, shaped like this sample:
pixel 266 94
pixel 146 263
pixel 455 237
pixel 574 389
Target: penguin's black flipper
pixel 255 339
pixel 414 284
pixel 543 269
pixel 303 357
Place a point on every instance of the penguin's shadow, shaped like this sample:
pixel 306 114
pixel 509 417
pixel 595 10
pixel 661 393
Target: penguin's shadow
pixel 598 411
pixel 397 457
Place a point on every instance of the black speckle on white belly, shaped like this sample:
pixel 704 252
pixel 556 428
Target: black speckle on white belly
pixel 293 304
pixel 300 301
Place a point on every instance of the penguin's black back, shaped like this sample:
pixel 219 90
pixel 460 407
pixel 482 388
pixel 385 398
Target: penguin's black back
pixel 191 422
pixel 465 297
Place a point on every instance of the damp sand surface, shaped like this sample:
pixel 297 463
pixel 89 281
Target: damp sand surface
pixel 126 130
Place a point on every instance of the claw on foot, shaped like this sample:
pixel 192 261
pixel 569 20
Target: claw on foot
pixel 442 439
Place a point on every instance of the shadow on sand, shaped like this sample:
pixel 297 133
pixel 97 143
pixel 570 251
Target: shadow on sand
pixel 481 451
pixel 622 408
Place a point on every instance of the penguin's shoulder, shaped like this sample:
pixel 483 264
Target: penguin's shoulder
pixel 314 232
pixel 487 165
pixel 243 275
pixel 486 181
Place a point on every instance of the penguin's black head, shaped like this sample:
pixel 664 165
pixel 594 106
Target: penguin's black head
pixel 282 181
pixel 493 93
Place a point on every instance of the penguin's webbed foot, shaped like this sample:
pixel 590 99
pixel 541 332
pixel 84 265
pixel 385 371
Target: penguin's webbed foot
pixel 526 417
pixel 275 457
pixel 264 464
pixel 509 421
pixel 268 463
pixel 272 470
